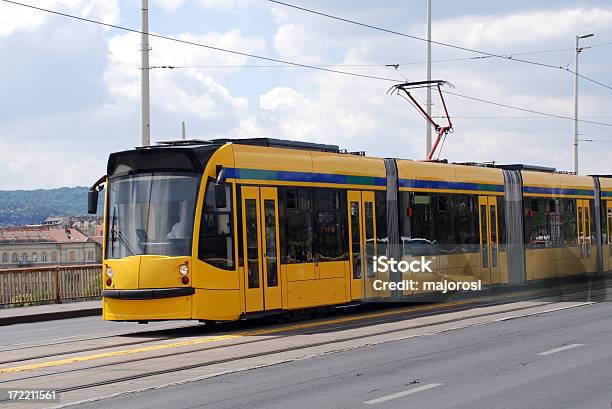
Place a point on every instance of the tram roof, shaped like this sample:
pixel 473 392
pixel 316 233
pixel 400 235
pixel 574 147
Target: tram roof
pixel 268 142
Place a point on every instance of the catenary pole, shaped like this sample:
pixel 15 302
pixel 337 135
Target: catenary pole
pixel 578 51
pixel 576 107
pixel 145 97
pixel 428 129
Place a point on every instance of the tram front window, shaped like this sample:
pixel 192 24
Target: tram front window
pixel 151 213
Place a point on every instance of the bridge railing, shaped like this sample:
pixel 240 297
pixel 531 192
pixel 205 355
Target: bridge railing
pixel 53 284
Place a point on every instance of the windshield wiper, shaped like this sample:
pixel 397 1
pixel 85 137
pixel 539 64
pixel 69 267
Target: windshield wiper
pixel 123 241
pixel 116 234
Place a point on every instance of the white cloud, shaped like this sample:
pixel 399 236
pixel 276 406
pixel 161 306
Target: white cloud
pixel 169 6
pixel 301 43
pixel 190 94
pixel 279 96
pixel 342 111
pixel 223 4
pixel 77 130
pixel 307 39
pixel 123 74
pixel 14 18
pixel 520 28
pixel 29 165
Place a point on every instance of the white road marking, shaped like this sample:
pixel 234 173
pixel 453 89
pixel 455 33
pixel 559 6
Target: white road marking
pixel 561 349
pixel 565 307
pixel 402 394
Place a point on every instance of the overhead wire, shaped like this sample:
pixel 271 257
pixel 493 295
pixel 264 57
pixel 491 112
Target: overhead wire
pixel 473 58
pixel 440 43
pixel 270 59
pixel 510 117
pixel 193 43
pixel 525 109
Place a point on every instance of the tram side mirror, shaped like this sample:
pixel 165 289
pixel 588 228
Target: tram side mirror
pixel 92 195
pixel 92 201
pixel 220 198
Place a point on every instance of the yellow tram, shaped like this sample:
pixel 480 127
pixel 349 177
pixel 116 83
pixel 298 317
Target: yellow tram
pixel 227 229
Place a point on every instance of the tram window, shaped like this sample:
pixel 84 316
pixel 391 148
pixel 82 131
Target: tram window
pixel 369 238
pixel 405 211
pixel 382 240
pixel 270 239
pixel 468 237
pixel 417 234
pixel 549 222
pixel 356 239
pixel 568 211
pixel 555 221
pixel 609 232
pixel 291 199
pixel 484 235
pixel 303 199
pixel 501 222
pixel 537 234
pixel 216 244
pixel 445 225
pixel 432 223
pixel 494 239
pixel 252 242
pixel 330 228
pixel 609 218
pixel 443 203
pixel 299 231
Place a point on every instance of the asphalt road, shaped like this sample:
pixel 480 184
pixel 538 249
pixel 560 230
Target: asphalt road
pixel 560 359
pixel 63 330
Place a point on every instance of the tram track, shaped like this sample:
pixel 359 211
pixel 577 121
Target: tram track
pixel 201 365
pixel 81 338
pixel 364 321
pixel 248 356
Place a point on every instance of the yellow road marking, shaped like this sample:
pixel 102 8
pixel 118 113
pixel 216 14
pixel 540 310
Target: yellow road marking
pixel 269 331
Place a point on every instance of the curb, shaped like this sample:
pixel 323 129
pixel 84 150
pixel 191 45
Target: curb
pixel 50 316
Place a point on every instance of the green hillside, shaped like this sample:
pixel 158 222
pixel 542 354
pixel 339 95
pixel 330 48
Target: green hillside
pixel 19 207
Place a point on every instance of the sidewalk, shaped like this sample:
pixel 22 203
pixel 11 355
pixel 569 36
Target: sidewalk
pixel 10 316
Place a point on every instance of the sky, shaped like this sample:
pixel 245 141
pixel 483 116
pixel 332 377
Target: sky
pixel 70 90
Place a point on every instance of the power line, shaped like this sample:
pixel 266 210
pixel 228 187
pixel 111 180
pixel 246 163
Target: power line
pixel 84 19
pixel 210 47
pixel 475 58
pixel 595 135
pixel 318 65
pixel 172 67
pixel 510 117
pixel 511 58
pixel 594 140
pixel 599 45
pixel 525 109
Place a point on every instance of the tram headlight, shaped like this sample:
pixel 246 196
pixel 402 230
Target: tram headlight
pixel 183 270
pixel 109 272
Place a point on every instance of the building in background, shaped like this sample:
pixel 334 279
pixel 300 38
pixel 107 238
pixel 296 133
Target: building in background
pixel 48 244
pixel 85 224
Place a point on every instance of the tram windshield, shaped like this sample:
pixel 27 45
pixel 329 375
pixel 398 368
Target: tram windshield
pixel 151 213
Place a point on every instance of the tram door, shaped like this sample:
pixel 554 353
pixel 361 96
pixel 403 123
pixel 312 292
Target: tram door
pixel 362 235
pixel 261 267
pixel 585 238
pixel 489 241
pixel 608 241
